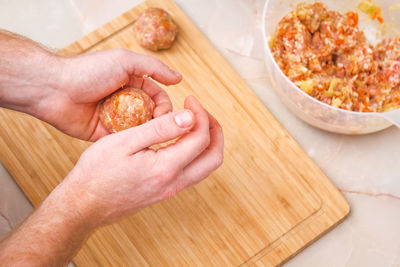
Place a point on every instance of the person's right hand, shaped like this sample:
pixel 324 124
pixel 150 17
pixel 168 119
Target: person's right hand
pixel 119 174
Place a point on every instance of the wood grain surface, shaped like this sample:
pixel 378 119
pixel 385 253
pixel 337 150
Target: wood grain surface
pixel 267 202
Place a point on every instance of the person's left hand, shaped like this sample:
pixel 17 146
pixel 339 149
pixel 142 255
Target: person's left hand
pixel 85 80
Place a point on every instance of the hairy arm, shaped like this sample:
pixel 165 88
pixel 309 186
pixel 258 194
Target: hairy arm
pixel 116 176
pixel 28 73
pixel 53 234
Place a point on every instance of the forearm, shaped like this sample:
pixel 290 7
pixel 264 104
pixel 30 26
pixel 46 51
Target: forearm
pixel 28 73
pixel 53 234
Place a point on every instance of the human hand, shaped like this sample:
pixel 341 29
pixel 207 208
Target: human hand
pixel 118 175
pixel 73 104
pixel 66 91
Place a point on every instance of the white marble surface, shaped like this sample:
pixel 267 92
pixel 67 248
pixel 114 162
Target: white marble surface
pixel 366 168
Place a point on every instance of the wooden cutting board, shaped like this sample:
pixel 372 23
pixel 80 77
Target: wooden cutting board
pixel 267 202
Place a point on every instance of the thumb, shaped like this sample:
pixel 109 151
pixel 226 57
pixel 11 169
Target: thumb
pixel 156 131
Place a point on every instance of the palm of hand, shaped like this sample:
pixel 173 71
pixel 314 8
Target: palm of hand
pixel 87 79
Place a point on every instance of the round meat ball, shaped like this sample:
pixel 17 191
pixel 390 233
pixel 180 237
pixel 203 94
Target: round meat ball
pixel 155 29
pixel 126 108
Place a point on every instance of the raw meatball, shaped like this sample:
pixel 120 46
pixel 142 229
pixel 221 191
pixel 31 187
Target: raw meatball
pixel 126 108
pixel 155 29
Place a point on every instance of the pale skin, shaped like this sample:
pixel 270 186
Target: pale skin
pixel 119 174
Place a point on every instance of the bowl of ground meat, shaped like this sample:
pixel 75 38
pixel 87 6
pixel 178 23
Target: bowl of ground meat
pixel 336 64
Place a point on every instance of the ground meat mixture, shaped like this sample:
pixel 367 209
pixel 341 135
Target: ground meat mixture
pixel 155 29
pixel 326 55
pixel 126 108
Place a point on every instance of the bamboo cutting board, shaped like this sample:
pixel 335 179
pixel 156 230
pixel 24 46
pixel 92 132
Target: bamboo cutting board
pixel 266 203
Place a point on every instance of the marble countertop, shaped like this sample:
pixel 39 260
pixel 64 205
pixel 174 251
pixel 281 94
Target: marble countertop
pixel 365 168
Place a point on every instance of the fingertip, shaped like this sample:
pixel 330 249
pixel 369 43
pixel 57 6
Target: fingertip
pixel 178 76
pixel 98 133
pixel 184 118
pixel 153 67
pixel 190 101
pixel 172 78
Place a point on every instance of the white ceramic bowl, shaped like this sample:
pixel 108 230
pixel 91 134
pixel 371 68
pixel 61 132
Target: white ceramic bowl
pixel 309 109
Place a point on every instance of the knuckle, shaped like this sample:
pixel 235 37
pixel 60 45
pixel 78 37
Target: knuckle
pixel 120 56
pixel 103 144
pixel 205 141
pixel 170 193
pixel 167 175
pixel 157 62
pixel 220 130
pixel 219 160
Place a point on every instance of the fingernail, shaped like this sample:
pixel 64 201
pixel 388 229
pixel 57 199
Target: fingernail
pixel 184 118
